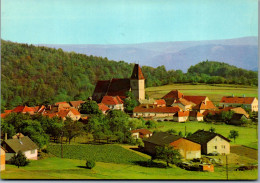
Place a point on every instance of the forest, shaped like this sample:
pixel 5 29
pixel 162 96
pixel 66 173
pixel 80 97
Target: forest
pixel 34 75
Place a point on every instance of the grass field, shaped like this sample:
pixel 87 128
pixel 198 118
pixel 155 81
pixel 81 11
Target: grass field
pixel 101 153
pixel 57 168
pixel 247 135
pixel 214 92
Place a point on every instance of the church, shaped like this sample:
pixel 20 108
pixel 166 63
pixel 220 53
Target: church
pixel 119 87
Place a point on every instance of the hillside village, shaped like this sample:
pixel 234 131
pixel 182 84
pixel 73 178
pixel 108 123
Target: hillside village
pixel 119 94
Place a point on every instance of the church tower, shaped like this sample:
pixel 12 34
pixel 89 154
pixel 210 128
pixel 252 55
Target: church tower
pixel 137 83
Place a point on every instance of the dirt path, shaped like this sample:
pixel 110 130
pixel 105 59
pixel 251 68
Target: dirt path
pixel 244 151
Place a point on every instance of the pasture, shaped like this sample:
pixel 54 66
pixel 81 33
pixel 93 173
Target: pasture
pixel 215 91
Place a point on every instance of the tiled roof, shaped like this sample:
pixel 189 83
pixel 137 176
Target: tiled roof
pixel 195 99
pixel 63 113
pixel 182 113
pixel 203 137
pixel 203 106
pixel 162 138
pixel 237 100
pixel 76 104
pixel 142 131
pixel 137 72
pixel 8 111
pixel 184 102
pixel 103 107
pixel 240 110
pixel 23 109
pixel 22 144
pixel 110 100
pixel 63 105
pixel 57 103
pixel 175 94
pixel 3 115
pixel 160 102
pixel 75 111
pixel 50 115
pixel 156 109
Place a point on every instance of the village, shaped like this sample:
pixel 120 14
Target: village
pixel 174 107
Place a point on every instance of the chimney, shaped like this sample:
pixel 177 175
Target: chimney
pixel 5 136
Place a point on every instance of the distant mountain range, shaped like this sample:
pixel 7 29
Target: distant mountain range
pixel 241 52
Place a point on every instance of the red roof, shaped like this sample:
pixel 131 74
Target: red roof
pixel 160 102
pixel 8 111
pixel 23 109
pixel 3 115
pixel 156 109
pixel 103 107
pixel 50 115
pixel 74 111
pixel 238 100
pixel 110 100
pixel 184 102
pixel 137 72
pixel 175 94
pixel 207 106
pixel 142 131
pixel 57 103
pixel 76 104
pixel 63 113
pixel 195 99
pixel 182 113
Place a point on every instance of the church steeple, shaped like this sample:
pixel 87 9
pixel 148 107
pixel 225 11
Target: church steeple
pixel 137 72
pixel 137 83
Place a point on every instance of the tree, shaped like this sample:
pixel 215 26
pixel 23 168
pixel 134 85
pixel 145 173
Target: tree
pixel 233 134
pixel 89 107
pixel 130 102
pixel 212 129
pixel 19 159
pixel 72 129
pixel 172 131
pixel 7 128
pixel 151 124
pixel 168 154
pixel 226 115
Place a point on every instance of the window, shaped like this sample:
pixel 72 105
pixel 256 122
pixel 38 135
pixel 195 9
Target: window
pixel 32 151
pixel 223 146
pixel 215 147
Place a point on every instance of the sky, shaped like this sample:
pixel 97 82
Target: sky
pixel 126 21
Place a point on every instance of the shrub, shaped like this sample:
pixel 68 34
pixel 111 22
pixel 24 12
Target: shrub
pixel 140 143
pixel 19 159
pixel 90 164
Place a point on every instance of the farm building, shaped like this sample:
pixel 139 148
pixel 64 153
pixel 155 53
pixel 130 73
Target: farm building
pixel 248 102
pixel 238 119
pixel 70 113
pixel 103 108
pixel 211 142
pixel 3 151
pixel 182 116
pixel 154 111
pixel 183 104
pixel 76 104
pixel 24 144
pixel 187 148
pixel 172 96
pixel 119 87
pixel 141 133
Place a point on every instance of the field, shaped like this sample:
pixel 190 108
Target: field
pixel 101 153
pixel 247 135
pixel 214 92
pixel 57 168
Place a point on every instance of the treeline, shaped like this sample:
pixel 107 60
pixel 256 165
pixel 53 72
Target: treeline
pixel 34 75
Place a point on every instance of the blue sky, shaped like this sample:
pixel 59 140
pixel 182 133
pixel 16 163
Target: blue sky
pixel 124 22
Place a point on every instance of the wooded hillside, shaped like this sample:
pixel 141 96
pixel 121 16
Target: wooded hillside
pixel 33 75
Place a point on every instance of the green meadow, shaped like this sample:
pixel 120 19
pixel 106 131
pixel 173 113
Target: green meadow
pixel 215 91
pixel 57 168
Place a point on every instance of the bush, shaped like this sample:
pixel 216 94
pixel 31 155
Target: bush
pixel 90 164
pixel 140 143
pixel 19 159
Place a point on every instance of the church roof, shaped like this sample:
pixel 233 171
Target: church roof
pixel 137 72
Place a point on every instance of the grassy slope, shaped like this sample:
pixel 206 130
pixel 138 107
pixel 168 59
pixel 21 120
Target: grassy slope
pixel 214 92
pixel 56 168
pixel 247 135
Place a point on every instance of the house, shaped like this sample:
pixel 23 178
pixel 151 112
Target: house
pixel 71 113
pixel 154 111
pixel 119 87
pixel 181 116
pixel 76 104
pixel 184 104
pixel 238 119
pixel 205 105
pixel 237 110
pixel 250 103
pixel 61 106
pixel 211 142
pixel 3 151
pixel 196 116
pixel 103 108
pixel 172 96
pixel 187 148
pixel 160 103
pixel 141 133
pixel 24 144
pixel 113 102
pixel 23 109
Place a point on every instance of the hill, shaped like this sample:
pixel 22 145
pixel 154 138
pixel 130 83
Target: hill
pixel 241 52
pixel 35 75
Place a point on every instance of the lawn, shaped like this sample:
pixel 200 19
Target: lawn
pixel 57 168
pixel 101 153
pixel 247 135
pixel 214 92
